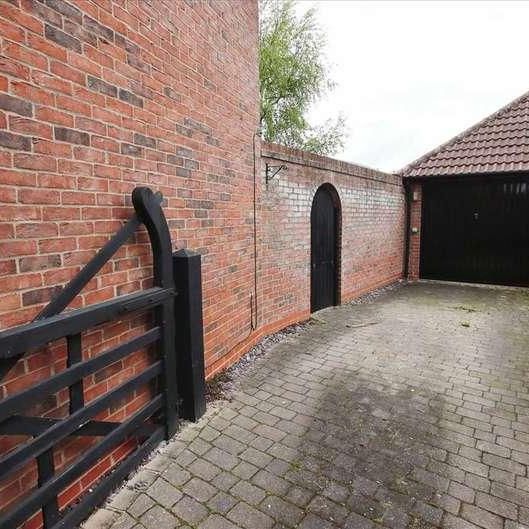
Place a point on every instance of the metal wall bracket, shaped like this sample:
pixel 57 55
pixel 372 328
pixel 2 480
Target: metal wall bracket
pixel 271 171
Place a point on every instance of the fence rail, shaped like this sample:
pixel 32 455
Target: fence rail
pixel 155 420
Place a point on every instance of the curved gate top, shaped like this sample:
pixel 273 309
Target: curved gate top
pixel 176 374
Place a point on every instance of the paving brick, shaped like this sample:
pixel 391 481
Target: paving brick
pixel 271 483
pixel 266 418
pixel 397 499
pixel 514 495
pixel 469 465
pixel 141 505
pixel 428 513
pixel 204 469
pixel 477 482
pixel 125 521
pixel 122 499
pixel 209 434
pixel 336 492
pixel 327 509
pixel 229 445
pixel 217 522
pixel 269 432
pixel 496 505
pixel 354 521
pixel 189 510
pixel 249 517
pixel 176 475
pixel 224 481
pixel 199 447
pixel 493 448
pixel 481 517
pixel 299 496
pixel 261 443
pixel 495 474
pixel 395 518
pixel 509 524
pixel 281 511
pixel 278 467
pixel 221 502
pixel 470 453
pixel 311 521
pixel 462 492
pixel 244 470
pixel 429 478
pixel 186 457
pixel 248 492
pixel 199 490
pixel 504 464
pixel 164 493
pixel 449 471
pixel 256 457
pixel 522 483
pixel 520 457
pixel 454 522
pixel 157 517
pixel 220 458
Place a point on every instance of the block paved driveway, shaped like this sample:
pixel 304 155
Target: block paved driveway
pixel 409 411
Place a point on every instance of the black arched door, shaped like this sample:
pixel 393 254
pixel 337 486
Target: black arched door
pixel 323 225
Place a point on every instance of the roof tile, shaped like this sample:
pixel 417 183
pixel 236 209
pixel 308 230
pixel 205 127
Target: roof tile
pixel 499 143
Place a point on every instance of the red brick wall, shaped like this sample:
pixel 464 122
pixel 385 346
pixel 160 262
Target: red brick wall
pixel 97 97
pixel 415 232
pixel 372 230
pixel 95 102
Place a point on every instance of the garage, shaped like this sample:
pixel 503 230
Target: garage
pixel 476 231
pixel 468 216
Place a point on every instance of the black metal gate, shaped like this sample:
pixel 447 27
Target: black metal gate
pixel 324 228
pixel 148 425
pixel 476 231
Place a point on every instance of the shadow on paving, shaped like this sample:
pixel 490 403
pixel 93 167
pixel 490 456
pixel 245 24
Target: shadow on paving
pixel 364 453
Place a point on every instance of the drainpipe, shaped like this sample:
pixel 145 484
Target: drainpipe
pixel 254 306
pixel 407 194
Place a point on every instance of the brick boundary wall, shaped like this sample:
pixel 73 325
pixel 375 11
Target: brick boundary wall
pixel 372 237
pixel 372 229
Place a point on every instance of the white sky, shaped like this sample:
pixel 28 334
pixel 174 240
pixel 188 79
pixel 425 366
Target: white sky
pixel 410 75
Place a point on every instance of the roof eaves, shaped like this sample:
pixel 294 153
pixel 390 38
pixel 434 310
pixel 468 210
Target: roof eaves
pixel 405 171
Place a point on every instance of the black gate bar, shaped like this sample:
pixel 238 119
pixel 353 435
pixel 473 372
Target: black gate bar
pixel 35 334
pixel 68 293
pixel 50 326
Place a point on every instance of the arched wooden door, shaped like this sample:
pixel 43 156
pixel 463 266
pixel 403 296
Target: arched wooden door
pixel 324 248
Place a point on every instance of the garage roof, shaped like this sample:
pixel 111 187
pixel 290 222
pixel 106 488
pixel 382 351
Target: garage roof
pixel 497 144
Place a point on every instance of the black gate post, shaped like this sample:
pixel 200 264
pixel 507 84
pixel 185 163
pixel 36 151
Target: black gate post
pixel 189 333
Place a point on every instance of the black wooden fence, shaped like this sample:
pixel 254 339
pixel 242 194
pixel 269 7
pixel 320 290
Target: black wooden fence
pixel 177 341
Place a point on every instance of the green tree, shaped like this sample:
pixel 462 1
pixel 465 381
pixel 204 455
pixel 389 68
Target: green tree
pixel 293 75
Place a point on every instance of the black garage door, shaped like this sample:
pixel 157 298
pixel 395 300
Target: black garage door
pixel 476 231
